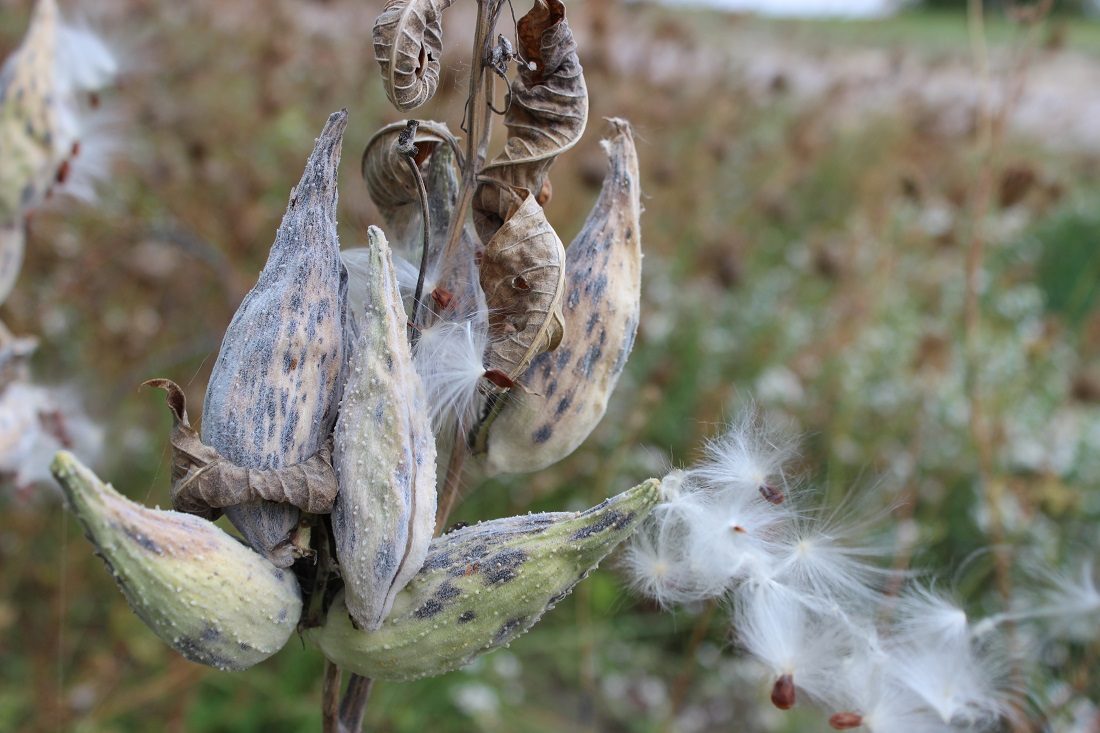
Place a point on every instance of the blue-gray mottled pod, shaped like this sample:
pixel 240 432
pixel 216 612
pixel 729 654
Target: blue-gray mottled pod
pixel 275 388
pixel 384 453
pixel 565 392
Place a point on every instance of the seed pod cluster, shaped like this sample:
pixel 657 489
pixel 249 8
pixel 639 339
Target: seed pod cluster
pixel 482 586
pixel 566 391
pixel 384 456
pixel 275 387
pixel 208 596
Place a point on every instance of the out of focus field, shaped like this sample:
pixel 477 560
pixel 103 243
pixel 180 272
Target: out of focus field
pixel 816 195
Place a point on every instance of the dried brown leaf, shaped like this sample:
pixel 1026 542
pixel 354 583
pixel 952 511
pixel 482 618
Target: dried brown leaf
pixel 546 116
pixel 523 276
pixel 408 43
pixel 390 183
pixel 204 481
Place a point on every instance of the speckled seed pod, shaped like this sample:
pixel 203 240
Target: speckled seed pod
pixel 481 587
pixel 211 598
pixel 275 388
pixel 384 456
pixel 12 244
pixel 566 391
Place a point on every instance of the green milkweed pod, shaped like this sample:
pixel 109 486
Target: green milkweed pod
pixel 481 587
pixel 384 454
pixel 208 596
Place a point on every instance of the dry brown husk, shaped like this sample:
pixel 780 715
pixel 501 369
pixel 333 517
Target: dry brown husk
pixel 204 482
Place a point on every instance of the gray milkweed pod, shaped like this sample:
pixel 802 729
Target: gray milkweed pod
pixel 566 391
pixel 275 388
pixel 384 454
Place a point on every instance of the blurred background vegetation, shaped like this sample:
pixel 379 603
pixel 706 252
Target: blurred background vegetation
pixel 818 196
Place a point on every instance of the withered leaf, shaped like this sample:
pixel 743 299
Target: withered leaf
pixel 388 181
pixel 523 276
pixel 204 481
pixel 408 43
pixel 546 116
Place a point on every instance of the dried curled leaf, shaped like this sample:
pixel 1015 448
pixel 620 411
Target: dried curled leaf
pixel 546 116
pixel 389 181
pixel 523 276
pixel 408 43
pixel 204 481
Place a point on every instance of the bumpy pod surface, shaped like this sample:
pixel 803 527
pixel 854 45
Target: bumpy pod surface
pixel 211 598
pixel 566 390
pixel 481 587
pixel 275 388
pixel 384 453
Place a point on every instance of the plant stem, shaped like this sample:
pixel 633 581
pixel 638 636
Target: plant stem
pixel 354 705
pixel 330 699
pixel 449 494
pixel 425 213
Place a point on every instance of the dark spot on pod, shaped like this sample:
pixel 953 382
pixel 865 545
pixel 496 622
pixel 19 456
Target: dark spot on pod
pixel 144 540
pixel 438 561
pixel 508 629
pixel 385 561
pixel 783 694
pixel 563 405
pixel 467 617
pixel 210 634
pixel 430 608
pixel 845 720
pixel 542 435
pixel 563 356
pixel 283 613
pixel 574 298
pixel 446 592
pixel 195 650
pixel 592 357
pixel 605 522
pixel 593 320
pixel 503 566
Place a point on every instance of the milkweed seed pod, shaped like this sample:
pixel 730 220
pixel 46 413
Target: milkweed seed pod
pixel 566 391
pixel 43 108
pixel 275 388
pixel 208 596
pixel 384 455
pixel 408 45
pixel 481 587
pixel 41 121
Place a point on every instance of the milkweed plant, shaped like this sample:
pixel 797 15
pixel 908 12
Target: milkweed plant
pixel 354 387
